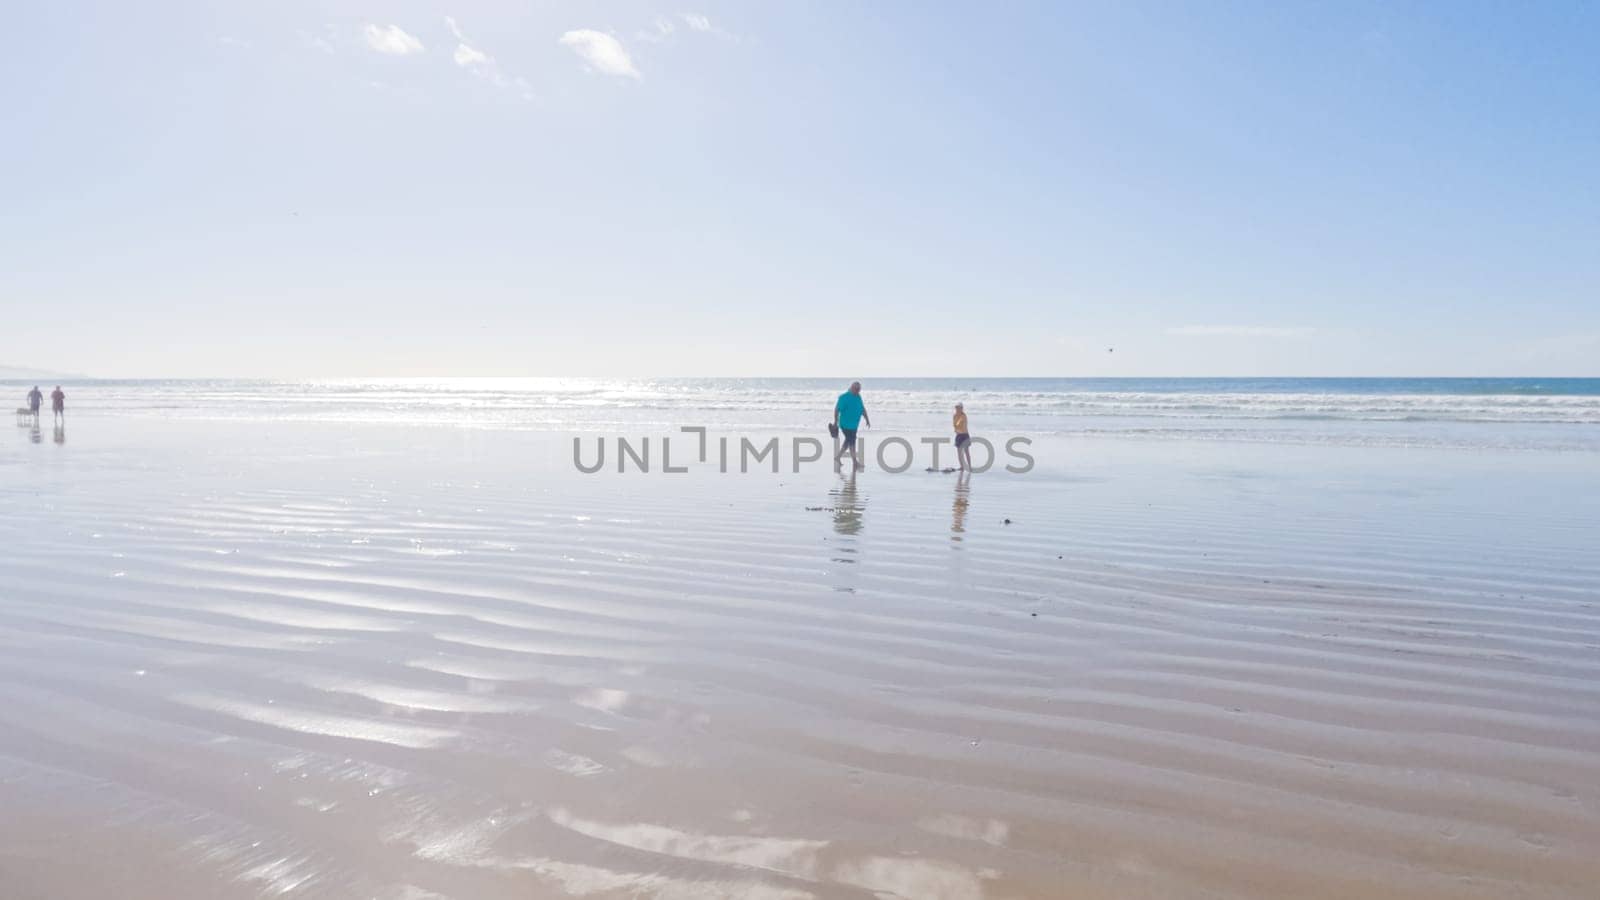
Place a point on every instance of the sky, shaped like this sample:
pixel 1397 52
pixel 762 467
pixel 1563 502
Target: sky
pixel 310 189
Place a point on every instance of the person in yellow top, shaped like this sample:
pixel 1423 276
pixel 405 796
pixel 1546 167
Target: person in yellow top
pixel 963 440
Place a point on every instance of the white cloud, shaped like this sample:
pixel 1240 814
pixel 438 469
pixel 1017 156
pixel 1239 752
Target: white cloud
pixel 391 39
pixel 702 24
pixel 601 51
pixel 665 29
pixel 1272 331
pixel 483 65
pixel 466 55
pixel 470 56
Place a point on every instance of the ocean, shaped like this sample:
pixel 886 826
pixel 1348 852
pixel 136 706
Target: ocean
pixel 1467 413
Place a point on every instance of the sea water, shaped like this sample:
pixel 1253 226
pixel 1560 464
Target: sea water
pixel 1486 413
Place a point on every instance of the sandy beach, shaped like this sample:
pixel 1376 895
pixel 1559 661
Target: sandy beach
pixel 427 479
pixel 296 659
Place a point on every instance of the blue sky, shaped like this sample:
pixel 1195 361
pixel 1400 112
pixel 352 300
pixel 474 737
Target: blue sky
pixel 405 188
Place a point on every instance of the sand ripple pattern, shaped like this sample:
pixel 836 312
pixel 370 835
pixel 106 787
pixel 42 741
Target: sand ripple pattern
pixel 458 692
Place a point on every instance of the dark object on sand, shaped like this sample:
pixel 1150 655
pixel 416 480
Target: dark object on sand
pixel 1008 521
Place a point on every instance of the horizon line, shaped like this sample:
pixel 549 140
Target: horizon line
pixel 62 376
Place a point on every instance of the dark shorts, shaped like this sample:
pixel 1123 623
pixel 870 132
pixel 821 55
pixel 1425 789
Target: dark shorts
pixel 849 436
pixel 962 439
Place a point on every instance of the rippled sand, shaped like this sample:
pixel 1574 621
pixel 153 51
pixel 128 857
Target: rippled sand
pixel 283 661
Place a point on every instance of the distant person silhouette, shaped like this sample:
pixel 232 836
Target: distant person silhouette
pixel 848 414
pixel 34 399
pixel 58 404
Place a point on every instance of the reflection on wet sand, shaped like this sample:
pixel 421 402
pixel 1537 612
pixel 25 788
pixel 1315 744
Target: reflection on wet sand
pixel 848 506
pixel 958 508
pixel 810 862
pixel 391 682
pixel 61 434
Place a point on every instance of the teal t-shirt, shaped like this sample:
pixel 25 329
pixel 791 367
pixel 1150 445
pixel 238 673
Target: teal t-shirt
pixel 850 410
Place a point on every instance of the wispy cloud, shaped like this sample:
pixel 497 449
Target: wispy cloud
pixel 703 24
pixel 1262 331
pixel 471 56
pixel 603 53
pixel 322 42
pixel 483 65
pixel 466 55
pixel 391 39
pixel 662 29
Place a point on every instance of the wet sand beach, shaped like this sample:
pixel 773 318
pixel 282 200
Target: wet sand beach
pixel 244 660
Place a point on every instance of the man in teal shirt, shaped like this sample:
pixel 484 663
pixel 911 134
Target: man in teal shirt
pixel 848 414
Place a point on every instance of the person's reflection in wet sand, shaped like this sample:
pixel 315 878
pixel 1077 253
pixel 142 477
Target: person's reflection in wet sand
pixel 33 432
pixel 847 520
pixel 61 433
pixel 847 506
pixel 958 509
